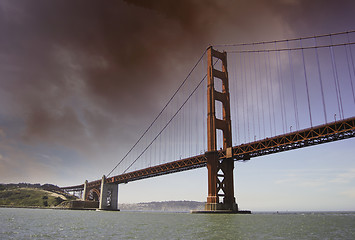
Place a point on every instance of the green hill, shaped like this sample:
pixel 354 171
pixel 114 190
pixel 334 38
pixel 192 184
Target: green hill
pixel 29 197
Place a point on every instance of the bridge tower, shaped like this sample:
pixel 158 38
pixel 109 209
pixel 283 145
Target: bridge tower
pixel 220 171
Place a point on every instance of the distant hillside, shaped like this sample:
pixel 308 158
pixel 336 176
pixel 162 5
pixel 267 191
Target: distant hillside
pixel 31 195
pixel 46 186
pixel 48 195
pixel 168 206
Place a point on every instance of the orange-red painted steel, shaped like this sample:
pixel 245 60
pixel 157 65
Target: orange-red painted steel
pixel 220 172
pixel 308 137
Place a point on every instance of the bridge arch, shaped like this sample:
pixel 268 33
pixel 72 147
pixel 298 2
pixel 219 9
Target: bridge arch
pixel 94 194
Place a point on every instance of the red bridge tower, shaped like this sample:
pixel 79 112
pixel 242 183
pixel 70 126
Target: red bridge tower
pixel 220 171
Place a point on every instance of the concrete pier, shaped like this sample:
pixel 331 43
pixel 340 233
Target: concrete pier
pixel 108 196
pixel 84 194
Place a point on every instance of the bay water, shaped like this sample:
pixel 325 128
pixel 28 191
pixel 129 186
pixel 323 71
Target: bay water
pixel 18 223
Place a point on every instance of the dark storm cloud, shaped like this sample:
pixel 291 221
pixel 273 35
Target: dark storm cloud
pixel 318 16
pixel 112 49
pixel 120 53
pixel 85 73
pixel 117 49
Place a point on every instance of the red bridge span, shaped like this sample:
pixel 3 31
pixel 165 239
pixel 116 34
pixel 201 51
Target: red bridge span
pixel 258 104
pixel 326 133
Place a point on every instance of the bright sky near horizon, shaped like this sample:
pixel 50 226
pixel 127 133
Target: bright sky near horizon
pixel 81 80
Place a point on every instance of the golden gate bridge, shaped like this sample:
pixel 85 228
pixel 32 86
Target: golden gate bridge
pixel 271 97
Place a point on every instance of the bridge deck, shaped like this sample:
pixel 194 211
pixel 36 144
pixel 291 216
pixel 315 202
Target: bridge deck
pixel 299 139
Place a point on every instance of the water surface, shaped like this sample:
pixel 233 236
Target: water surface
pixel 69 224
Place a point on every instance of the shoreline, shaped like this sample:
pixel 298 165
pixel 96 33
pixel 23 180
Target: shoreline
pixel 143 211
pixel 52 208
pixel 31 207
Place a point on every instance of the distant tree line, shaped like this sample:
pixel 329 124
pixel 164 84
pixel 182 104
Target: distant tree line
pixel 47 186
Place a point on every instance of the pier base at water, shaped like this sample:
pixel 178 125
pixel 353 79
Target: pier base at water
pixel 108 196
pixel 221 208
pixel 221 211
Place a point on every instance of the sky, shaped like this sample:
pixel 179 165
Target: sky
pixel 81 80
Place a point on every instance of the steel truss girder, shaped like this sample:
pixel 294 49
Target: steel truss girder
pixel 308 137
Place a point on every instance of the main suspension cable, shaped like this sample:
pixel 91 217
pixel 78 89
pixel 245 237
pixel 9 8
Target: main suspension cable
pixel 167 124
pixel 160 113
pixel 171 119
pixel 283 40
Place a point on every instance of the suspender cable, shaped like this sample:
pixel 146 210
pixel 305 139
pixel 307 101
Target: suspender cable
pixel 167 124
pixel 189 128
pixel 321 82
pixel 257 95
pixel 294 95
pixel 247 97
pixel 179 135
pixel 251 94
pixel 176 139
pixel 335 77
pixel 244 100
pixel 281 90
pixel 268 93
pixel 272 95
pixel 189 122
pixel 182 129
pixel 237 121
pixel 204 120
pixel 352 65
pixel 166 105
pixel 195 140
pixel 261 94
pixel 185 129
pixel 306 80
pixel 155 149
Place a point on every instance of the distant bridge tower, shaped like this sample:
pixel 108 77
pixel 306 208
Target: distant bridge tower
pixel 220 171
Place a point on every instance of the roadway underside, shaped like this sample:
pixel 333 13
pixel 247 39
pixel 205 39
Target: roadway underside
pixel 330 132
